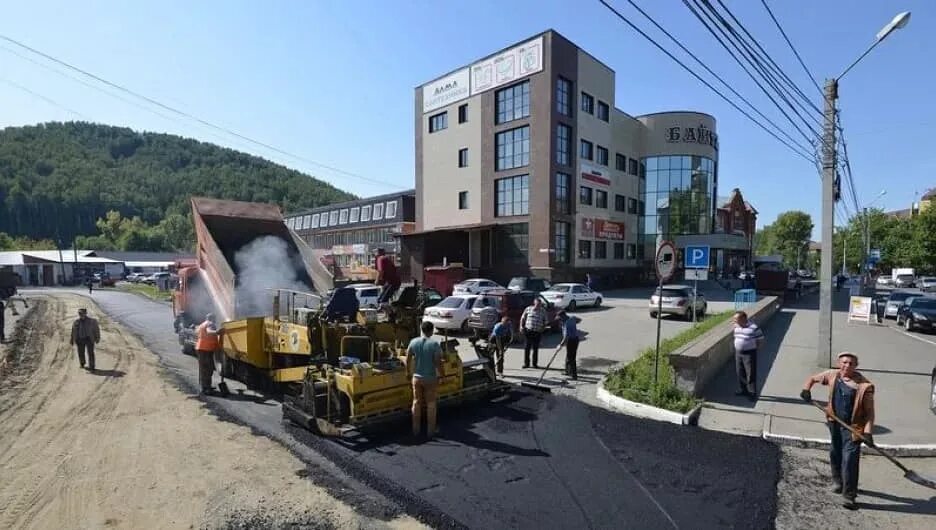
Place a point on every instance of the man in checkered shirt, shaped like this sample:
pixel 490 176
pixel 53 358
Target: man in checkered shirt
pixel 532 324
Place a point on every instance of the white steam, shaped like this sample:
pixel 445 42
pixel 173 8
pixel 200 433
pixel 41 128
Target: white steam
pixel 263 264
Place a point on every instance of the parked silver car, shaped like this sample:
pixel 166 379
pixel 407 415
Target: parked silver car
pixel 894 302
pixel 905 280
pixel 927 284
pixel 677 300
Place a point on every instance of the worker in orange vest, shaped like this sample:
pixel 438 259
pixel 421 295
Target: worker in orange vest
pixel 205 346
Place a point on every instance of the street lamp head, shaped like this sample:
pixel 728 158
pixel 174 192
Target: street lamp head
pixel 899 22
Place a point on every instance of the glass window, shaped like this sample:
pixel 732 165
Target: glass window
pixel 620 203
pixel 463 113
pixel 306 219
pixel 564 97
pixel 343 216
pixel 602 156
pixel 585 195
pixel 513 102
pixel 378 211
pixel 512 196
pixel 588 103
pixel 324 220
pixel 390 212
pixel 315 220
pixel 584 247
pixel 643 170
pixel 601 250
pixel 586 149
pixel 604 112
pixel 641 210
pixel 632 167
pixel 513 148
pixel 631 251
pixel 619 251
pixel 333 218
pixel 355 215
pixel 601 199
pixel 438 122
pixel 365 213
pixel 620 162
pixel 463 157
pixel 513 242
pixel 563 145
pixel 631 205
pixel 463 200
pixel 563 193
pixel 562 242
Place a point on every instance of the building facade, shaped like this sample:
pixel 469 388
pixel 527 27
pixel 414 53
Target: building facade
pixel 346 235
pixel 525 166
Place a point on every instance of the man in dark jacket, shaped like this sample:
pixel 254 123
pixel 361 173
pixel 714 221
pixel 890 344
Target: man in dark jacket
pixel 85 334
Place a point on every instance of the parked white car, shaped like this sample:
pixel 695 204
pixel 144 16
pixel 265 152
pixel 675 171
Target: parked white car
pixel 885 281
pixel 677 300
pixel 927 284
pixel 451 313
pixel 571 296
pixel 366 293
pixel 475 286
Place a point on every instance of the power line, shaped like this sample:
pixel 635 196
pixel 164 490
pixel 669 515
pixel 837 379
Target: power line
pixel 701 80
pixel 44 98
pixel 793 48
pixel 716 76
pixel 193 117
pixel 766 92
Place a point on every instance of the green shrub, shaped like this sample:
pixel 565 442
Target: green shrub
pixel 634 381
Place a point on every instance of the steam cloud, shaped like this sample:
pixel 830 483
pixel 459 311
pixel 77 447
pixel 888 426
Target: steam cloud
pixel 263 264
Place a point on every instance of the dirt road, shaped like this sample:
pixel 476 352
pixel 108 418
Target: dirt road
pixel 125 448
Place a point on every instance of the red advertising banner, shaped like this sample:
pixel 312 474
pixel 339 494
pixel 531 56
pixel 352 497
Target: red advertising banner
pixel 609 230
pixel 597 179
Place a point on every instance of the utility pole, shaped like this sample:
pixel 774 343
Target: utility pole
pixel 824 349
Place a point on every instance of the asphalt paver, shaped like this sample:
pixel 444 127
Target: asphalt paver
pixel 525 460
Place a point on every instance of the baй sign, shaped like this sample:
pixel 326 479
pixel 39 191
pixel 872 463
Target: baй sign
pixel 691 135
pixel 609 230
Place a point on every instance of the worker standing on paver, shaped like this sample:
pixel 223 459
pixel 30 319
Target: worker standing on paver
pixel 570 339
pixel 501 336
pixel 851 399
pixel 747 339
pixel 532 325
pixel 424 362
pixel 85 334
pixel 206 344
pixel 387 276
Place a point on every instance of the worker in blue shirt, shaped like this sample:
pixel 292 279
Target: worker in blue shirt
pixel 570 339
pixel 501 336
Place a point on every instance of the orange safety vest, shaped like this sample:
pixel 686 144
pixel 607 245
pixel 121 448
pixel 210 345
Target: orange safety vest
pixel 206 341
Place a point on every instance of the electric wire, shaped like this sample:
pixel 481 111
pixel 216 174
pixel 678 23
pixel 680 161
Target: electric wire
pixel 793 48
pixel 48 100
pixel 192 117
pixel 702 80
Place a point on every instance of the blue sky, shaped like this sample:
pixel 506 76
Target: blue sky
pixel 333 81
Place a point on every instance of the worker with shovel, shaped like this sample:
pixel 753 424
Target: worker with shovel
pixel 851 400
pixel 205 345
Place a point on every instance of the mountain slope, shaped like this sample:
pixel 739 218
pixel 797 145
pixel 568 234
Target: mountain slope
pixel 57 179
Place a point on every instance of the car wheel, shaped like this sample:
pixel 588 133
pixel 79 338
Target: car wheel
pixel 688 314
pixel 933 394
pixel 653 314
pixel 464 326
pixel 571 306
pixel 702 313
pixel 598 301
pixel 908 324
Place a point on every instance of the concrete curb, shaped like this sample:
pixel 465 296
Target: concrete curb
pixel 903 450
pixel 641 410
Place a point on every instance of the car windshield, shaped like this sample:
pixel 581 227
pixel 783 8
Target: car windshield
pixel 924 303
pixel 929 279
pixel 450 303
pixel 672 292
pixel 516 282
pixel 904 277
pixel 898 297
pixel 484 301
pixel 561 288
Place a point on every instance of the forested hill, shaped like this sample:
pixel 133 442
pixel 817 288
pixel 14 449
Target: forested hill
pixel 57 179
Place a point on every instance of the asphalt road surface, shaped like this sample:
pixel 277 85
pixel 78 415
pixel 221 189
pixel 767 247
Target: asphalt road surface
pixel 526 460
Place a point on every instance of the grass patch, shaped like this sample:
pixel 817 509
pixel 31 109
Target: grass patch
pixel 634 382
pixel 149 291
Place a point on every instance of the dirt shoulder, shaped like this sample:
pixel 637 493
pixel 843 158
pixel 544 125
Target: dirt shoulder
pixel 124 448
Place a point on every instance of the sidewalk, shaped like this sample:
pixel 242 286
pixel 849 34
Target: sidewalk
pixel 898 363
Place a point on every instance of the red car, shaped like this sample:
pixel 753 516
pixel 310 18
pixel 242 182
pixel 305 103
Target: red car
pixel 511 303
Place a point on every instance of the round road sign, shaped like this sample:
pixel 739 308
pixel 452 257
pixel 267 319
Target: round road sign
pixel 666 260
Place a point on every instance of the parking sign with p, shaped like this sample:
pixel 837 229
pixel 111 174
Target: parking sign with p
pixel 697 257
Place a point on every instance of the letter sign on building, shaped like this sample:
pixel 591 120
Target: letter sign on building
pixel 450 89
pixel 692 135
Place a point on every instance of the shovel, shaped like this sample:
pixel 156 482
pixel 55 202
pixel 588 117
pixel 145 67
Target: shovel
pixel 909 474
pixel 538 385
pixel 222 386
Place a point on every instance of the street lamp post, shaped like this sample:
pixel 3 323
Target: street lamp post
pixel 829 185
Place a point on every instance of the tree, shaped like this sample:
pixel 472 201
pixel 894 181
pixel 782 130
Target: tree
pixel 791 234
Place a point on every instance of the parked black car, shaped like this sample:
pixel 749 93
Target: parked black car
pixel 918 313
pixel 528 283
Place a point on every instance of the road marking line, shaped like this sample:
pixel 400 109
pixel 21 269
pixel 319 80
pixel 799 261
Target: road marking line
pixel 902 332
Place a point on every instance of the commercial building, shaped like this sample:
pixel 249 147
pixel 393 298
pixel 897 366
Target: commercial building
pixel 346 235
pixel 526 166
pixel 53 267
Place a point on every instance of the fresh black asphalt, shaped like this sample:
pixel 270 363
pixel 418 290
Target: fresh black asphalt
pixel 525 460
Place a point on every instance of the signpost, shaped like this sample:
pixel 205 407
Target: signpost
pixel 697 261
pixel 665 265
pixel 859 309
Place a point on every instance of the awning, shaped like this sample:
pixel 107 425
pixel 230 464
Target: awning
pixel 445 229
